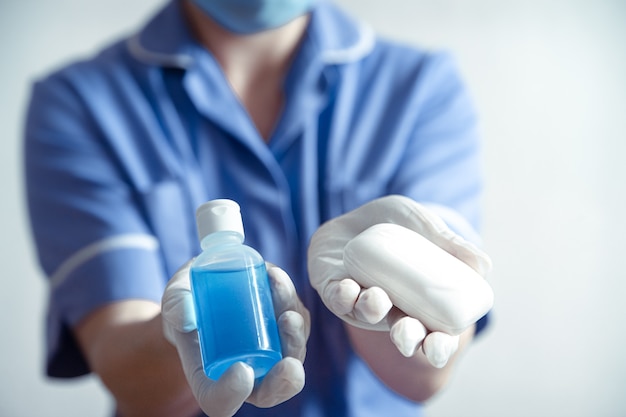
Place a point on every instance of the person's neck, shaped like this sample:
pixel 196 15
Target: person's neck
pixel 245 58
pixel 255 65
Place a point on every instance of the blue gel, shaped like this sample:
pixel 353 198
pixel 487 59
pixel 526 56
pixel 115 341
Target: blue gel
pixel 235 318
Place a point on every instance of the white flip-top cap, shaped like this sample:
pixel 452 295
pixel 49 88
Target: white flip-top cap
pixel 218 215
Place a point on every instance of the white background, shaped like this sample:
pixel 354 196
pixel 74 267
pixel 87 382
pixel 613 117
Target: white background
pixel 549 80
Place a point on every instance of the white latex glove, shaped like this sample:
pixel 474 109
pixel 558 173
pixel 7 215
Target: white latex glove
pixel 363 297
pixel 224 397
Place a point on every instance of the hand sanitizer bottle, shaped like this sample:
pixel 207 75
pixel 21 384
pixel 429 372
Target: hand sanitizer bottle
pixel 232 296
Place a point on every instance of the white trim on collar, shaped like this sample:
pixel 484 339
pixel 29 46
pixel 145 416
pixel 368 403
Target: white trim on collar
pixel 353 53
pixel 137 50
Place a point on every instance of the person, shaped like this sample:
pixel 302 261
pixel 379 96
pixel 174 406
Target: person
pixel 305 117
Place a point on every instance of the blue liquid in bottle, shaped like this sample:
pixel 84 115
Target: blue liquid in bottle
pixel 234 310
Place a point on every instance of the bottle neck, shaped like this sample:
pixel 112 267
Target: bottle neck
pixel 223 237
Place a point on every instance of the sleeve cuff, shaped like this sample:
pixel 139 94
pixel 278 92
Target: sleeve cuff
pixel 112 275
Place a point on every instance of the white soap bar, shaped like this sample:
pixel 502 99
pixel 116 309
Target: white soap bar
pixel 421 279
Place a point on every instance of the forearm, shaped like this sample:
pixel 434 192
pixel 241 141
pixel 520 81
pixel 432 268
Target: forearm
pixel 124 345
pixel 414 378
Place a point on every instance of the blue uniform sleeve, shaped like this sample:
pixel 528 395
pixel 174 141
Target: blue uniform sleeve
pixel 92 240
pixel 442 161
pixel 442 165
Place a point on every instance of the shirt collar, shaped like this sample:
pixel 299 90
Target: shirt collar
pixel 338 37
pixel 166 41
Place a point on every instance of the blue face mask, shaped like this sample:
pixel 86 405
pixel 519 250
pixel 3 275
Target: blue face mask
pixel 251 16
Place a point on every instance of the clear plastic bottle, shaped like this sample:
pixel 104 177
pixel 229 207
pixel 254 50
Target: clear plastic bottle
pixel 232 296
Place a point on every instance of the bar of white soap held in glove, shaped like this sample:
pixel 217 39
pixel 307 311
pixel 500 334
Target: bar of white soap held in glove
pixel 421 279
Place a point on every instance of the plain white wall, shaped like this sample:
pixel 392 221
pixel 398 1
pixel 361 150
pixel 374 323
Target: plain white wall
pixel 549 80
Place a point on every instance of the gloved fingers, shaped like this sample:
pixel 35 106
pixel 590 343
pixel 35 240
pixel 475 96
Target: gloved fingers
pixel 439 348
pixel 293 335
pixel 406 333
pixel 220 398
pixel 282 382
pixel 224 397
pixel 346 298
pixel 177 307
pixel 372 305
pixel 341 296
pixel 285 297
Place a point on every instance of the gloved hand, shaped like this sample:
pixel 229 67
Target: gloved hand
pixel 224 397
pixel 353 298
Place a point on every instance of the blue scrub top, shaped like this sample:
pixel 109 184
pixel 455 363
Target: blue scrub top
pixel 121 148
